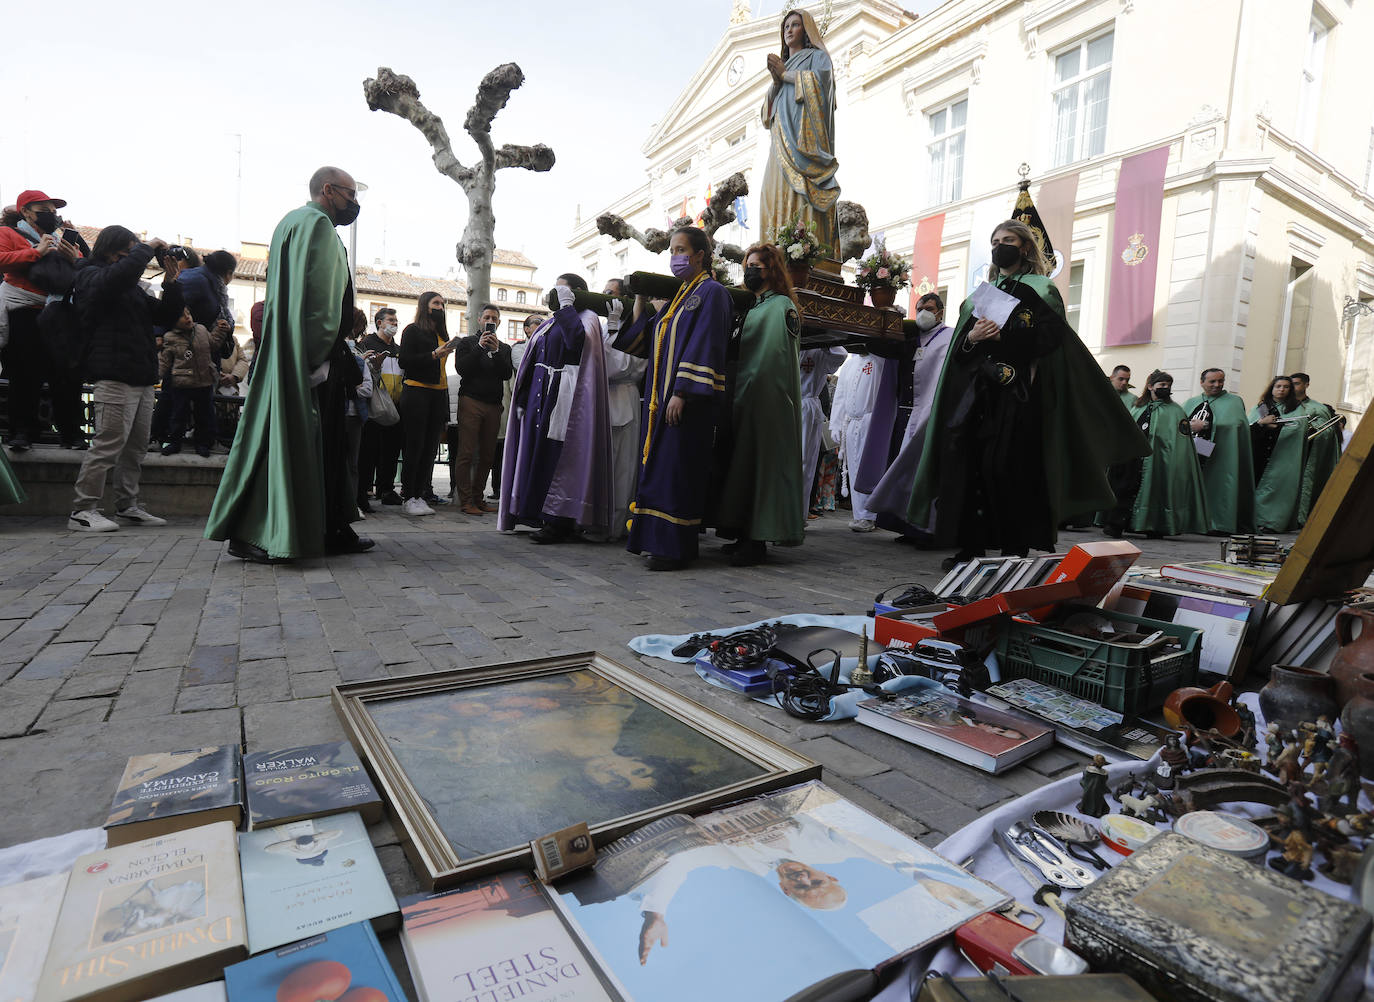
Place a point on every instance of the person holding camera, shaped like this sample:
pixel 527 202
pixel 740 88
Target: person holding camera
pixel 38 256
pixel 484 363
pixel 425 348
pixel 122 362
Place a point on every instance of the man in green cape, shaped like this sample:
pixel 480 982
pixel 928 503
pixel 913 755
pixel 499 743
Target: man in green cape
pixel 284 491
pixel 1121 383
pixel 1323 448
pixel 1228 473
pixel 1082 427
pixel 1169 499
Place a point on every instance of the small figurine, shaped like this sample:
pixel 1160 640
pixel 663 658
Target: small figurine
pixel 1246 734
pixel 1146 807
pixel 1288 764
pixel 1342 777
pixel 1173 762
pixel 1296 861
pixel 1299 810
pixel 1317 751
pixel 1341 862
pixel 1273 743
pixel 1094 785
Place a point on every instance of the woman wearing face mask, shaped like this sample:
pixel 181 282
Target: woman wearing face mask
pixel 758 500
pixel 1280 448
pixel 425 348
pixel 1165 497
pixel 380 449
pixel 1023 426
pixel 685 382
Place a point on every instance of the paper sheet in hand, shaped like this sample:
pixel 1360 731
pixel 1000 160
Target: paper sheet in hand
pixel 993 304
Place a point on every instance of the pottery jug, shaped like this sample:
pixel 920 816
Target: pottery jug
pixel 1354 662
pixel 1297 695
pixel 1357 720
pixel 1203 709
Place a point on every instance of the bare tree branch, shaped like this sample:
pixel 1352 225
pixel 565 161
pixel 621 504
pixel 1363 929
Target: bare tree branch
pixel 537 158
pixel 720 209
pixel 398 95
pixel 492 94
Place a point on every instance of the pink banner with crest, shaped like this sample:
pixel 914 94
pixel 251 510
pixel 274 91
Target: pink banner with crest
pixel 1135 248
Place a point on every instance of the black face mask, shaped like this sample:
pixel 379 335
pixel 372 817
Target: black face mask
pixel 1164 393
pixel 45 220
pixel 439 319
pixel 753 278
pixel 1006 256
pixel 346 215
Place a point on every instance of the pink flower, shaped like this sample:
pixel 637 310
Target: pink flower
pixel 882 273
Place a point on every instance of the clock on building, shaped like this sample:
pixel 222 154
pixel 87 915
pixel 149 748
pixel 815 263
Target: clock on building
pixel 735 72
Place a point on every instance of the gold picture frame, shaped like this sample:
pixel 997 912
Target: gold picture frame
pixel 492 757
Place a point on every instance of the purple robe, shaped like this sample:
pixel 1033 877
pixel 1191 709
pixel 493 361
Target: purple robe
pixel 541 476
pixel 876 455
pixel 687 357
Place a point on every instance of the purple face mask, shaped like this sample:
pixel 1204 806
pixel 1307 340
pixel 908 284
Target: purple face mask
pixel 681 265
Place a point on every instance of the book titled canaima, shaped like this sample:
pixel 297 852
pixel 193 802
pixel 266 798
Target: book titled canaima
pixel 296 784
pixel 148 918
pixel 347 964
pixel 171 791
pixel 28 913
pixel 958 728
pixel 497 938
pixel 310 877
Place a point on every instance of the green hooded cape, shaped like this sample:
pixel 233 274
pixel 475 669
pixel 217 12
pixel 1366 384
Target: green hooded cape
pixel 1170 498
pixel 1280 485
pixel 272 491
pixel 759 497
pixel 1228 474
pixel 1323 453
pixel 1084 430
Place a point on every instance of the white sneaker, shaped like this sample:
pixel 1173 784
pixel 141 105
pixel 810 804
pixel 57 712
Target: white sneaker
pixel 137 516
pixel 90 521
pixel 416 506
pixel 862 524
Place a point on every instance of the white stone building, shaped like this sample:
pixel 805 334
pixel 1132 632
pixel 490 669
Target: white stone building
pixel 1267 222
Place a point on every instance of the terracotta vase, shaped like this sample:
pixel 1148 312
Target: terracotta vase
pixel 1357 720
pixel 1203 709
pixel 883 296
pixel 1353 666
pixel 799 273
pixel 1297 695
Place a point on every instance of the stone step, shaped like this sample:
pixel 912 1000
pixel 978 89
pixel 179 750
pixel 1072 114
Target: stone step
pixel 183 484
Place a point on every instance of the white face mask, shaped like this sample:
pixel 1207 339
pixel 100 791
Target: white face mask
pixel 925 320
pixel 389 329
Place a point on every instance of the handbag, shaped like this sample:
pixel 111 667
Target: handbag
pixel 382 409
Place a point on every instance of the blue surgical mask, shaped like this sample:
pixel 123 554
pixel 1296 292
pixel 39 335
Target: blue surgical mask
pixel 681 265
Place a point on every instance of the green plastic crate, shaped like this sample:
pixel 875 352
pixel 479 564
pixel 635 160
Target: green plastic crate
pixel 1122 678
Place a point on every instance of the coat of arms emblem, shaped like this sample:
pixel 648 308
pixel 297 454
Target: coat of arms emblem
pixel 1136 250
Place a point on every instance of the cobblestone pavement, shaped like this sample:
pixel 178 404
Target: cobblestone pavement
pixel 155 639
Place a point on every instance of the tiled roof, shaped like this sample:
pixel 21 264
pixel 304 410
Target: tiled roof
pixel 400 283
pixel 511 257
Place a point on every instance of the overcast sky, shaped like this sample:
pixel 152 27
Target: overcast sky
pixel 136 117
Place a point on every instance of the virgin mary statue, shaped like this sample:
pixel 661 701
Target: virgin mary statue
pixel 799 111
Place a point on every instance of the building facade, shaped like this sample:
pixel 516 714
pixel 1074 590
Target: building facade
pixel 1267 222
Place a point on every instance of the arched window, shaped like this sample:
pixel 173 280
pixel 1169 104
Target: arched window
pixel 519 295
pixel 501 295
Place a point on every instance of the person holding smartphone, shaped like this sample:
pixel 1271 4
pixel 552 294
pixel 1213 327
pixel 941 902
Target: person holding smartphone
pixel 425 348
pixel 484 363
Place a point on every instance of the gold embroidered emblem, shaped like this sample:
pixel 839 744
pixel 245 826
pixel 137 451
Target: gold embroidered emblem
pixel 1136 251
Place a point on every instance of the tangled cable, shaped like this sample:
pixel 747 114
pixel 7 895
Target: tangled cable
pixel 744 650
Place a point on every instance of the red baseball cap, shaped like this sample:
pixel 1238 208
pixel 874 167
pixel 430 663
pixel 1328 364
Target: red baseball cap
pixel 32 195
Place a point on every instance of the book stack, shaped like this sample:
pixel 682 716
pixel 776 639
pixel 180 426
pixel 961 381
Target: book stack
pixel 984 576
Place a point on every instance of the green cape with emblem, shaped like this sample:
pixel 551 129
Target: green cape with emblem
pixel 272 491
pixel 1084 429
pixel 1323 453
pixel 1228 474
pixel 1280 485
pixel 1170 500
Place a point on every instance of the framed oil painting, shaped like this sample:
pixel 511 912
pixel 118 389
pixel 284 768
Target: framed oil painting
pixel 475 763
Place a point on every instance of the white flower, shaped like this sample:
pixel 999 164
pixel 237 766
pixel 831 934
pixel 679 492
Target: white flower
pixel 795 250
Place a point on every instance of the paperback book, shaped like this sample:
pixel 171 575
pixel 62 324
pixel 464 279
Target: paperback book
pixel 1079 723
pixel 706 908
pixel 309 877
pixel 946 723
pixel 148 918
pixel 499 935
pixel 172 791
pixel 28 915
pixel 295 784
pixel 346 964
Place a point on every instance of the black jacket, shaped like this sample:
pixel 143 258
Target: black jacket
pixel 484 377
pixel 119 317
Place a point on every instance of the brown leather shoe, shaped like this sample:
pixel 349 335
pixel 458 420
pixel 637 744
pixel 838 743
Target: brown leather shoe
pixel 470 508
pixel 488 508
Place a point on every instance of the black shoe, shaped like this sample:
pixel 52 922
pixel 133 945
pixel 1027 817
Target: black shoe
pixel 19 443
pixel 171 448
pixel 349 544
pixel 962 557
pixel 548 534
pixel 730 549
pixel 202 452
pixel 751 552
pixel 78 444
pixel 391 497
pixel 432 499
pixel 245 550
pixel 666 564
pixel 1112 531
pixel 364 507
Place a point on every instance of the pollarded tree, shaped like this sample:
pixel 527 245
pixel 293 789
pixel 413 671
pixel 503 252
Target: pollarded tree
pixel 398 94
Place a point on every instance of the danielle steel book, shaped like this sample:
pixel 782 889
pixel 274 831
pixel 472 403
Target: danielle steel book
pixel 171 791
pixel 148 918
